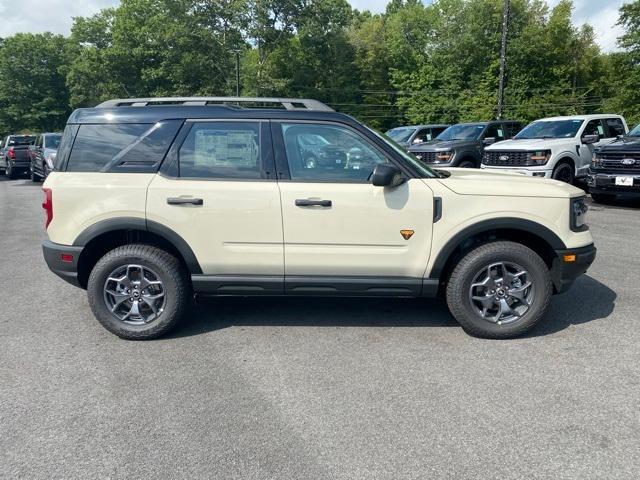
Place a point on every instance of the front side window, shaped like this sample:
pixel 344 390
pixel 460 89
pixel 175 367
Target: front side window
pixel 550 129
pixel 495 131
pixel 423 135
pixel 222 150
pixel 341 156
pixel 594 127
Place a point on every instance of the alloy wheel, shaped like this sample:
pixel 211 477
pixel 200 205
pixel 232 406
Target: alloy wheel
pixel 134 294
pixel 501 293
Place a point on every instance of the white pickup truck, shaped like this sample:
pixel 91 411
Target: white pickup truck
pixel 560 147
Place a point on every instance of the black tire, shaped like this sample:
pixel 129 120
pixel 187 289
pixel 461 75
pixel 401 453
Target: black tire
pixel 11 173
pixel 564 172
pixel 467 164
pixel 603 197
pixel 459 287
pixel 34 176
pixel 177 289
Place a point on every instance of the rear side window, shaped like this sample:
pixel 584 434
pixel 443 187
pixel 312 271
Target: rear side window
pixel 222 150
pixel 121 147
pixel 614 127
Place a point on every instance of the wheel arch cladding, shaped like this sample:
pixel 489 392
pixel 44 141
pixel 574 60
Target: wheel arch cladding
pixel 106 235
pixel 537 237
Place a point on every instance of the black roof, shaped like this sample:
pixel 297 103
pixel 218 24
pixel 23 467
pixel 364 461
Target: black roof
pixel 154 113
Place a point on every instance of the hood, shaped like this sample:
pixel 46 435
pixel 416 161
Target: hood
pixel 469 181
pixel 625 143
pixel 529 144
pixel 439 145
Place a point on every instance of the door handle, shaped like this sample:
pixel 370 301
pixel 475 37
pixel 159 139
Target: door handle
pixel 304 202
pixel 184 201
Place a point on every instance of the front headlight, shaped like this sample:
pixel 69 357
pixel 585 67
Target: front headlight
pixel 539 157
pixel 579 211
pixel 596 161
pixel 444 157
pixel 51 160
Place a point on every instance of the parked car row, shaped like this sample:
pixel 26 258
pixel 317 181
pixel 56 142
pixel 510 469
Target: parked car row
pixel 21 154
pixel 597 148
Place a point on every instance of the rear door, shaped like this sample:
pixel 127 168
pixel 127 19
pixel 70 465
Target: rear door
pixel 217 191
pixel 339 229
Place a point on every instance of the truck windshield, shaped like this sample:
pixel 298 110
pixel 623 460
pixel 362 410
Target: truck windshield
pixel 421 168
pixel 635 132
pixel 550 129
pixel 463 131
pixel 400 134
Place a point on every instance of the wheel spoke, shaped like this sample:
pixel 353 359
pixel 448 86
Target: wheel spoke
pixel 142 287
pixel 519 293
pixel 118 297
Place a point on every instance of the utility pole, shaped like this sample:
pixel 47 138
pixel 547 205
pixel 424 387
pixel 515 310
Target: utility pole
pixel 237 73
pixel 503 57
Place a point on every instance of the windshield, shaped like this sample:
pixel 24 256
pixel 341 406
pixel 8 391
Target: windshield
pixel 421 168
pixel 21 140
pixel 52 141
pixel 635 132
pixel 400 134
pixel 550 129
pixel 466 131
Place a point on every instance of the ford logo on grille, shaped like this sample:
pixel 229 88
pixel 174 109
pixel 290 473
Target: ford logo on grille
pixel 628 161
pixel 503 158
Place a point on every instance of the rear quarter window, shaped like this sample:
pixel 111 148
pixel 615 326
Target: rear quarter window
pixel 121 147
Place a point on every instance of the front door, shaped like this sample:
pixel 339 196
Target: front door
pixel 341 233
pixel 218 195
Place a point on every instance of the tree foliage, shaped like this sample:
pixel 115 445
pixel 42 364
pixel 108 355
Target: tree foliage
pixel 416 62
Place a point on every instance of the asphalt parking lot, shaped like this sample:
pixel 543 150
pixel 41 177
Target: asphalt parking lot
pixel 327 389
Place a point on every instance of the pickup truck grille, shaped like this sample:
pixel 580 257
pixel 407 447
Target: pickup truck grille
pixel 428 157
pixel 506 158
pixel 614 160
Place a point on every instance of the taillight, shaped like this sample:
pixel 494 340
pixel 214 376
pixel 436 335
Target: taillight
pixel 11 153
pixel 47 204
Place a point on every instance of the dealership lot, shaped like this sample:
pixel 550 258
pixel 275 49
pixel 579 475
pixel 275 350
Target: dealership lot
pixel 321 388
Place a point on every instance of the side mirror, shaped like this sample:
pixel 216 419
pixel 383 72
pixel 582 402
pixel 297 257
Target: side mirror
pixel 590 139
pixel 489 140
pixel 386 175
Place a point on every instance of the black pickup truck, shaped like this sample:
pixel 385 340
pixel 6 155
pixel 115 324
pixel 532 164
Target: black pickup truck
pixel 615 168
pixel 15 156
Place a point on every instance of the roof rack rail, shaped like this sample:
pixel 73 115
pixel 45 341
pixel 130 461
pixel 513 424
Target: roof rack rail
pixel 287 103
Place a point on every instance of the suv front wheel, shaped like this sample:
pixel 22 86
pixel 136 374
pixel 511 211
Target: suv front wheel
pixel 138 292
pixel 499 290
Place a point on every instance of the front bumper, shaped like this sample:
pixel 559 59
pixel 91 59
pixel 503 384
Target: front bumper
pixel 565 272
pixel 601 182
pixel 62 260
pixel 531 172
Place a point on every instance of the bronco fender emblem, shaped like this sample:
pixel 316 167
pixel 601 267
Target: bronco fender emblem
pixel 406 234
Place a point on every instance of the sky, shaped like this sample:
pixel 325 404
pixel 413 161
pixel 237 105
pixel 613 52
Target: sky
pixel 56 15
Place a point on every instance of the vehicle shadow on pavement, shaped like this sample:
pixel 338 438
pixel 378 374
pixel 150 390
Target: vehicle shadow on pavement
pixel 211 314
pixel 588 300
pixel 622 202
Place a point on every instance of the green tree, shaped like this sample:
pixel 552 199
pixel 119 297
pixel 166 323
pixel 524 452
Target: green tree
pixel 33 95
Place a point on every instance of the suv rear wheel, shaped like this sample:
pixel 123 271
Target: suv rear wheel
pixel 138 292
pixel 499 290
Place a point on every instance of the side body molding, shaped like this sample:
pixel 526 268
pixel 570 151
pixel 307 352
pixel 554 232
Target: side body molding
pixel 494 224
pixel 140 224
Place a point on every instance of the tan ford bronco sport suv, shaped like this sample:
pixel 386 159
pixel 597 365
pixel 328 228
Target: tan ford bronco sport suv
pixel 153 200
